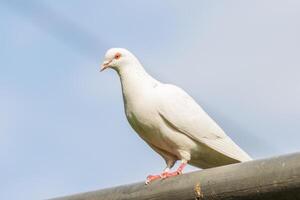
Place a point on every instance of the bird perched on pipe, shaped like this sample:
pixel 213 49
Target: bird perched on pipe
pixel 169 120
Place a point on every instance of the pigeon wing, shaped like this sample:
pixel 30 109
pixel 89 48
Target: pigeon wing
pixel 182 113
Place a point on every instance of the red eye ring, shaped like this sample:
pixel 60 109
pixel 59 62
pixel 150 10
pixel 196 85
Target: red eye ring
pixel 117 55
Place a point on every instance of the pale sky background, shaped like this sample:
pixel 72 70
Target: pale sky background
pixel 62 125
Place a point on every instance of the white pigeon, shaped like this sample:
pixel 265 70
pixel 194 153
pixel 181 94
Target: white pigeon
pixel 169 120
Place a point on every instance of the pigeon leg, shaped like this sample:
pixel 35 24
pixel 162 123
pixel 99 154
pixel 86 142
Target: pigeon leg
pixel 179 170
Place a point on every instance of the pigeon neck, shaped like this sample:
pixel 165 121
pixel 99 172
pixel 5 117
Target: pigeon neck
pixel 135 81
pixel 134 73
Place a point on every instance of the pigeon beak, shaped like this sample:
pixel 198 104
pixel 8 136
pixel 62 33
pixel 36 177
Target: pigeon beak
pixel 105 65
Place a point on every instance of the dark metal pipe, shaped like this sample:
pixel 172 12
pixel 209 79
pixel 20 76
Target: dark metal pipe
pixel 276 178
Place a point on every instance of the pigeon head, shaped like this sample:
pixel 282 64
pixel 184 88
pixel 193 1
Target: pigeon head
pixel 117 59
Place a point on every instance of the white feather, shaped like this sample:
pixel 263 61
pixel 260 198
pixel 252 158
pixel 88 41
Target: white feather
pixel 180 110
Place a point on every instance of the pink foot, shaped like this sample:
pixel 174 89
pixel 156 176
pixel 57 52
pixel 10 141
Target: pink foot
pixel 164 175
pixel 170 174
pixel 151 178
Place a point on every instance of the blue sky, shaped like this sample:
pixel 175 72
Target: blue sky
pixel 62 125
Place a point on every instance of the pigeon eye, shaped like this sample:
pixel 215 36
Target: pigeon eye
pixel 117 56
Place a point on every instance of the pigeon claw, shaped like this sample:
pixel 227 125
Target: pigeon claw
pixel 151 178
pixel 165 174
pixel 170 174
